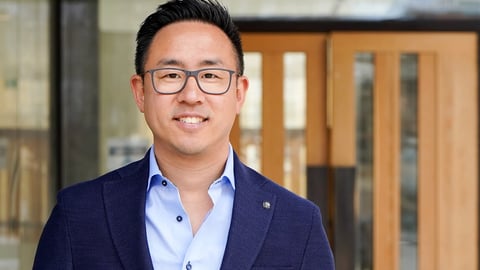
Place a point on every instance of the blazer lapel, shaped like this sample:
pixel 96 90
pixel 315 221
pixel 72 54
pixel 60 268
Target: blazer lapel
pixel 252 212
pixel 124 199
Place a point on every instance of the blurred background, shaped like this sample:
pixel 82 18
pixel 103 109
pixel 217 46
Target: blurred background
pixel 369 106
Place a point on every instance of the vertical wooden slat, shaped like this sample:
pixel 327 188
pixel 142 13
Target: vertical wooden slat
pixel 457 158
pixel 444 144
pixel 427 188
pixel 315 129
pixel 465 156
pixel 466 153
pixel 273 134
pixel 316 132
pixel 342 148
pixel 386 184
pixel 341 157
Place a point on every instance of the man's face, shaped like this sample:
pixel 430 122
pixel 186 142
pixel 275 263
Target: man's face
pixel 190 122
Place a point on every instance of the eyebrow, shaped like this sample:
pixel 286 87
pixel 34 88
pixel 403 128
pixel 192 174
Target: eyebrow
pixel 174 62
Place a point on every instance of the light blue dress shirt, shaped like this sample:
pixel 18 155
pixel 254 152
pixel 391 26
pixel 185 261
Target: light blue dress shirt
pixel 169 234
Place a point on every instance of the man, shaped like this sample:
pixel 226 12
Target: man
pixel 190 203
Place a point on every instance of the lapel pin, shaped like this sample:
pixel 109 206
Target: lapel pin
pixel 266 205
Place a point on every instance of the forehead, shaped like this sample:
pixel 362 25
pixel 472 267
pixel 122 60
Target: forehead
pixel 190 42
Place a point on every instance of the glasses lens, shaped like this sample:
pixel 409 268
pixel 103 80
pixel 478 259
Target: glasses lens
pixel 214 81
pixel 168 81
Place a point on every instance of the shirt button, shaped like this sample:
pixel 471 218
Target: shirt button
pixel 188 266
pixel 179 218
pixel 164 183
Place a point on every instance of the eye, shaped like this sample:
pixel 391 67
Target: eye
pixel 210 75
pixel 172 76
pixel 169 75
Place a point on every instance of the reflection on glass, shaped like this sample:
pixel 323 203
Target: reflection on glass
pixel 251 113
pixel 409 136
pixel 124 135
pixel 25 179
pixel 364 76
pixel 294 99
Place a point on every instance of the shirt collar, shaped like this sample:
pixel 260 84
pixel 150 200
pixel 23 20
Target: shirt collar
pixel 228 174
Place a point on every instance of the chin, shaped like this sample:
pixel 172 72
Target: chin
pixel 190 149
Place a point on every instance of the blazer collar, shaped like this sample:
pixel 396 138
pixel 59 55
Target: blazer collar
pixel 253 210
pixel 125 209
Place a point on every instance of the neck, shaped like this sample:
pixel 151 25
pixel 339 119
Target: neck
pixel 191 172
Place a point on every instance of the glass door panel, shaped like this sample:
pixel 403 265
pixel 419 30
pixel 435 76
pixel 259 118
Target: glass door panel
pixel 25 159
pixel 251 115
pixel 364 79
pixel 295 109
pixel 409 161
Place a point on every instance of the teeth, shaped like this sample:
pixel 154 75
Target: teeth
pixel 191 120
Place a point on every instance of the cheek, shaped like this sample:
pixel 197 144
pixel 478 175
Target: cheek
pixel 231 108
pixel 154 110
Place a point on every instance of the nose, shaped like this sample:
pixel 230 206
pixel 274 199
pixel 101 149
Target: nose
pixel 191 92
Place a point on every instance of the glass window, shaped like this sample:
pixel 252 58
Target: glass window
pixel 251 113
pixel 25 179
pixel 124 136
pixel 295 112
pixel 409 168
pixel 364 76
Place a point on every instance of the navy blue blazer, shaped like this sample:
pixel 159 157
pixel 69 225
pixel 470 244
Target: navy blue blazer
pixel 100 224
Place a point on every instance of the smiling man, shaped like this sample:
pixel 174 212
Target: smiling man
pixel 190 203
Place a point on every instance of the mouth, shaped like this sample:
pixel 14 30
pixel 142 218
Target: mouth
pixel 191 120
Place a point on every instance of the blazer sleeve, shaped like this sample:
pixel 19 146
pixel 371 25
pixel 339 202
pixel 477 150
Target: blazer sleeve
pixel 54 250
pixel 318 254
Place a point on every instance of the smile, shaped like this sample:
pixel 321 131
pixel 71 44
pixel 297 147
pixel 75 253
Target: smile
pixel 192 120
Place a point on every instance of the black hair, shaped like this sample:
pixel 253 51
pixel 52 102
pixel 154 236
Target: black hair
pixel 209 11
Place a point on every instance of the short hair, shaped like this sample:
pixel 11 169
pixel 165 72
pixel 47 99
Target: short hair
pixel 208 11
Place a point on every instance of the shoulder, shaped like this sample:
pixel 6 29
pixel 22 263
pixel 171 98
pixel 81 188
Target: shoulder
pixel 286 201
pixel 289 200
pixel 92 189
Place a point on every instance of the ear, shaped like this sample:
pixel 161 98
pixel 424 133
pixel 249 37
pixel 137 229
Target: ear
pixel 136 84
pixel 241 92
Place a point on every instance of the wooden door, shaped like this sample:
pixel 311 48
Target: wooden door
pixel 445 106
pixel 403 153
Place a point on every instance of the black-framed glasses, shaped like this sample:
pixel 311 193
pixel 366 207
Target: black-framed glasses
pixel 213 81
